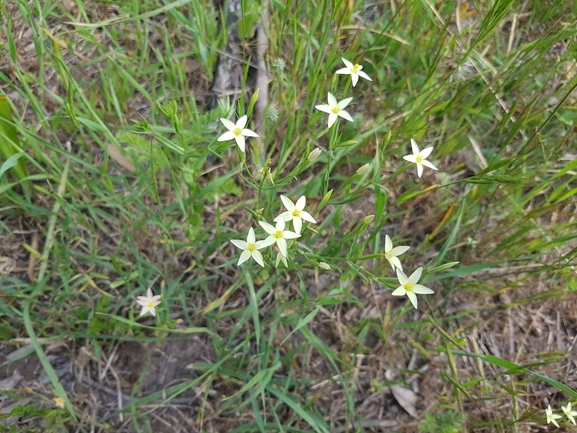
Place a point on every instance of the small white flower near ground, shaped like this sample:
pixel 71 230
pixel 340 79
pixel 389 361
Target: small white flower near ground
pixel 335 109
pixel 278 235
pixel 237 131
pixel 391 254
pixel 409 286
pixel 250 248
pixel 552 417
pixel 59 402
pixel 570 414
pixel 148 302
pixel 295 212
pixel 355 71
pixel 419 157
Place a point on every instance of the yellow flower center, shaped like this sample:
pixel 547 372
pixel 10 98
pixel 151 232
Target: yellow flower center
pixel 419 158
pixel 335 110
pixel 251 248
pixel 278 234
pixel 149 305
pixel 356 67
pixel 296 213
pixel 237 131
pixel 409 287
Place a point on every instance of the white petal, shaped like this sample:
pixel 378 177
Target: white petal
pixel 347 63
pixel 346 115
pixel 419 169
pixel 279 258
pixel 228 124
pixel 415 147
pixel 283 216
pixel 332 118
pixel 428 164
pixel 416 276
pixel 280 225
pixel 332 100
pixel 396 262
pixel 290 235
pixel 229 135
pixel 298 223
pixel 426 152
pixel 301 202
pixel 287 202
pixel 257 256
pixel 413 298
pixel 243 257
pixel 271 240
pixel 388 244
pixel 324 108
pixel 239 244
pixel 355 79
pixel 281 243
pixel 249 133
pixel 267 227
pixel 307 217
pixel 399 291
pixel 144 311
pixel 401 277
pixel 410 158
pixel 344 103
pixel 240 142
pixel 241 123
pixel 250 238
pixel 259 245
pixel 365 76
pixel 287 216
pixel 397 251
pixel 422 290
pixel 344 71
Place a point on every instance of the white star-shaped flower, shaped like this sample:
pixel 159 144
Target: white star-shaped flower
pixel 335 109
pixel 570 414
pixel 237 131
pixel 410 287
pixel 355 71
pixel 277 235
pixel 552 417
pixel 148 302
pixel 391 254
pixel 250 248
pixel 419 157
pixel 295 213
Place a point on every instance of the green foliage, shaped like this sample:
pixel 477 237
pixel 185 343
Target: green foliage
pixel 493 230
pixel 445 422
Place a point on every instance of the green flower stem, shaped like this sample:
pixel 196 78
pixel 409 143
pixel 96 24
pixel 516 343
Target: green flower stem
pixel 333 136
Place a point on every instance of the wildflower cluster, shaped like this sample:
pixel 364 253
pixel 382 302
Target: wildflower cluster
pixel 553 417
pixel 295 214
pixel 277 234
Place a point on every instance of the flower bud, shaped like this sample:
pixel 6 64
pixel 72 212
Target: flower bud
pixel 369 219
pixel 364 169
pixel 324 266
pixel 314 154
